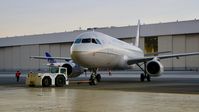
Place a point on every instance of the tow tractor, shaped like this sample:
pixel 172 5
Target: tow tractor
pixel 57 76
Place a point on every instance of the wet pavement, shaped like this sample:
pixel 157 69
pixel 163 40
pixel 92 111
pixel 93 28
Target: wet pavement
pixel 173 92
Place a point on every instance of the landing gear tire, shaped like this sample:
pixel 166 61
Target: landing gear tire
pixel 90 83
pixel 46 81
pixel 60 81
pixel 98 77
pixel 93 80
pixel 148 77
pixel 142 77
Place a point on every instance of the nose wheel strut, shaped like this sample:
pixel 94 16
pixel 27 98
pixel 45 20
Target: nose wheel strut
pixel 94 78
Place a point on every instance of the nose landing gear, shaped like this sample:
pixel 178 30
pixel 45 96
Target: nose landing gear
pixel 94 78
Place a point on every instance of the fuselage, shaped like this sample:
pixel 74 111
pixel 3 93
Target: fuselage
pixel 97 50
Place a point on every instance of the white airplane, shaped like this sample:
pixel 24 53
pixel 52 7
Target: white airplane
pixel 97 50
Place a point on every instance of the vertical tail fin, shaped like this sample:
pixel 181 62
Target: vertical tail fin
pixel 50 60
pixel 138 34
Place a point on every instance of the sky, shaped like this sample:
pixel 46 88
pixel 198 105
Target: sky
pixel 29 17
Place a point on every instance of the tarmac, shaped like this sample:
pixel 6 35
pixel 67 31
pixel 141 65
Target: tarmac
pixel 176 91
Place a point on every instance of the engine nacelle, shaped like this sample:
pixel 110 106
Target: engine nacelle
pixel 154 68
pixel 73 69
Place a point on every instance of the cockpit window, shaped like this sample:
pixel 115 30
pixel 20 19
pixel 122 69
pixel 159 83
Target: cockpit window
pixel 98 42
pixel 94 41
pixel 87 40
pixel 78 41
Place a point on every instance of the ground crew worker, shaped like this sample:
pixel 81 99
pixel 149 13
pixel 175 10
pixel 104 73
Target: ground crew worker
pixel 18 73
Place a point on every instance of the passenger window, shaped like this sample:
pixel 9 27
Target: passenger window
pixel 98 42
pixel 88 40
pixel 93 41
pixel 78 41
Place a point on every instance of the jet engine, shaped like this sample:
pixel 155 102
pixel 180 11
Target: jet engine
pixel 154 68
pixel 73 69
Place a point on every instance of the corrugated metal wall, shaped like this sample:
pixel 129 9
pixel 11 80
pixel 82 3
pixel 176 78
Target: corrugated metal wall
pixel 180 44
pixel 17 57
pixel 165 44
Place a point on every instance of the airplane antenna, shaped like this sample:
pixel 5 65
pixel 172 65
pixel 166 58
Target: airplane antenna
pixel 138 34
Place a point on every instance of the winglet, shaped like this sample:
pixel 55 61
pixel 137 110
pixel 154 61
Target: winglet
pixel 138 34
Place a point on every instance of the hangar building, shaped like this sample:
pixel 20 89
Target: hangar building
pixel 177 37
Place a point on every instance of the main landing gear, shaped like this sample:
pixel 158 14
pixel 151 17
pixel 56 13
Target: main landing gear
pixel 94 78
pixel 144 75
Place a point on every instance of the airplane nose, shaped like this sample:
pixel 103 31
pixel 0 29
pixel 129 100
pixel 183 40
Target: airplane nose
pixel 75 53
pixel 78 57
pixel 82 54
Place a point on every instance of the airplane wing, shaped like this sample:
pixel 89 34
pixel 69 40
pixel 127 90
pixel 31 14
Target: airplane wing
pixel 57 58
pixel 145 59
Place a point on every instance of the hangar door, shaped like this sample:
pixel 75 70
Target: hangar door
pixel 150 45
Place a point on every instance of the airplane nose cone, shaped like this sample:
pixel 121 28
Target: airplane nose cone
pixel 79 57
pixel 76 54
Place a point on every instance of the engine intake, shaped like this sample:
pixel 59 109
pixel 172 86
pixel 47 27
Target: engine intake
pixel 154 68
pixel 73 71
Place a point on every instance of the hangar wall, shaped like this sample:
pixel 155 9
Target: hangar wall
pixel 192 45
pixel 180 44
pixel 165 44
pixel 17 57
pixel 177 36
pixel 177 44
pixel 2 64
